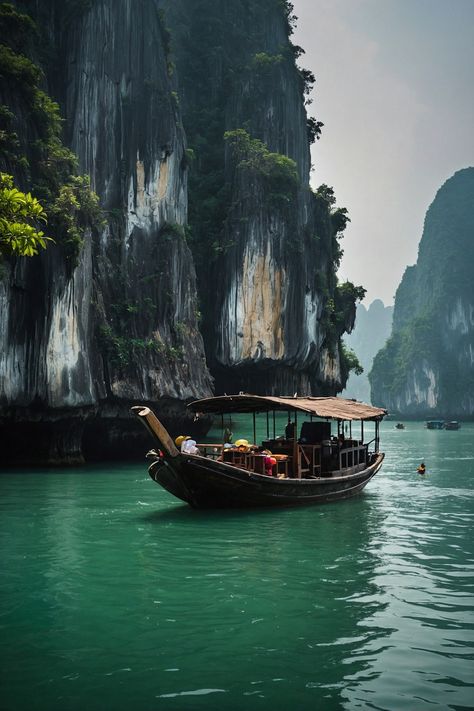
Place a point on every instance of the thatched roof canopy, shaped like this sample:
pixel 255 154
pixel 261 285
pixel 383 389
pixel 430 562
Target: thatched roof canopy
pixel 334 408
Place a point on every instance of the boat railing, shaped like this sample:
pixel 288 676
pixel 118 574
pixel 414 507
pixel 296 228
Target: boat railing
pixel 320 459
pixel 353 455
pixel 309 460
pixel 210 451
pixel 374 448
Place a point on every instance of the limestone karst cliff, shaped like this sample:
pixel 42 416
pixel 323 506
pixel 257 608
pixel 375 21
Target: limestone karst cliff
pixel 82 341
pixel 270 244
pixel 164 104
pixel 372 328
pixel 426 368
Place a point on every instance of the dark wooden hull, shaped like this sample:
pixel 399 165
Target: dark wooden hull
pixel 205 483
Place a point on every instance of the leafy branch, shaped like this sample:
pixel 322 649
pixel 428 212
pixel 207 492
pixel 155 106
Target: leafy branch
pixel 20 218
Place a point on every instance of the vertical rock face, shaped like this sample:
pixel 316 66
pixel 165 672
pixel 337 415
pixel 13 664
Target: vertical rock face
pixel 125 128
pixel 272 248
pixel 84 343
pixel 268 335
pixel 426 367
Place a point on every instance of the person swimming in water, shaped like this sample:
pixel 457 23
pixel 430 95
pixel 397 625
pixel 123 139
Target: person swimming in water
pixel 421 469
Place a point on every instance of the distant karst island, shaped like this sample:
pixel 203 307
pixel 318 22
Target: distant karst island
pixel 426 368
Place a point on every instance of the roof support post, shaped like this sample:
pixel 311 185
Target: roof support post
pixel 296 459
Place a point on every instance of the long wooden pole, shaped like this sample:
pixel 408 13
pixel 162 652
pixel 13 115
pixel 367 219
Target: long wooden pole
pixel 155 428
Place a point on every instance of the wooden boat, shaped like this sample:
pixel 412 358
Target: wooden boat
pixel 452 425
pixel 435 425
pixel 314 468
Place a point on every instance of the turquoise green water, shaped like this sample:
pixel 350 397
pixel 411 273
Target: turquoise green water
pixel 116 596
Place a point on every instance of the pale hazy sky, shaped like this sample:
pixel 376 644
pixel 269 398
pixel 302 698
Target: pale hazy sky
pixel 395 91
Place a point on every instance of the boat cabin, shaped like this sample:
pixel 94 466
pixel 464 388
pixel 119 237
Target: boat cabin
pixel 309 448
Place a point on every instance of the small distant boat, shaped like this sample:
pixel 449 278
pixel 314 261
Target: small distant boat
pixel 453 425
pixel 314 468
pixel 400 426
pixel 435 425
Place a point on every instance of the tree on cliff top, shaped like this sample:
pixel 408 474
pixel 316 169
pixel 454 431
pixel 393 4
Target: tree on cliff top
pixel 20 217
pixel 37 158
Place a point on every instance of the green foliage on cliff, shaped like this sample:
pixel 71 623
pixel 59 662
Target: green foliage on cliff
pixel 403 351
pixel 75 208
pixel 314 129
pixel 262 61
pixel 18 72
pixel 347 294
pixel 278 172
pixel 171 230
pixel 39 160
pixel 339 316
pixel 349 361
pixel 338 219
pixel 20 218
pixel 219 58
pixel 122 351
pixel 17 29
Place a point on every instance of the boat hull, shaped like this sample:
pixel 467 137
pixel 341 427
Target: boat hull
pixel 205 484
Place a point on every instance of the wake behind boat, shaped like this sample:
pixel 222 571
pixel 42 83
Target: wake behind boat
pixel 314 467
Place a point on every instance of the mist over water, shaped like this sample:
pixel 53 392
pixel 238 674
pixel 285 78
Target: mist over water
pixel 115 595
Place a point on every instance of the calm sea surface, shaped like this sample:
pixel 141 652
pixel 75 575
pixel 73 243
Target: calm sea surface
pixel 115 596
